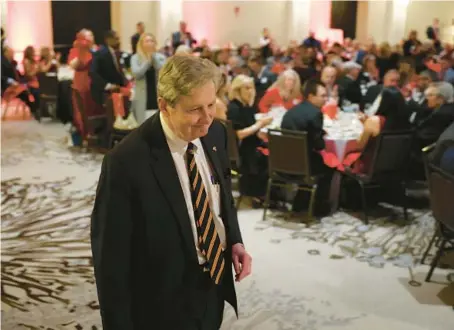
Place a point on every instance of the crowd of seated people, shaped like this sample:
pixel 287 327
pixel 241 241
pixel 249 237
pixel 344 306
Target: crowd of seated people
pixel 394 87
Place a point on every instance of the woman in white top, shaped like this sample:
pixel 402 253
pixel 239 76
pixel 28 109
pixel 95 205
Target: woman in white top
pixel 145 65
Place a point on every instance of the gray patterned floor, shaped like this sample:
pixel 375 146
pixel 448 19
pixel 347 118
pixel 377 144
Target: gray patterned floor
pixel 332 274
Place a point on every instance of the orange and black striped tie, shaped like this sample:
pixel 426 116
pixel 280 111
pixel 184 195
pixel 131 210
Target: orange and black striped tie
pixel 209 241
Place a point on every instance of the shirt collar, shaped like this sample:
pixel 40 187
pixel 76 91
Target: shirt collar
pixel 175 143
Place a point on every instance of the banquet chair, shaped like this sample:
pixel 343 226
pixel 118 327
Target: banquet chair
pixel 436 236
pixel 289 163
pixel 89 123
pixel 389 166
pixel 441 187
pixel 14 104
pixel 114 135
pixel 48 90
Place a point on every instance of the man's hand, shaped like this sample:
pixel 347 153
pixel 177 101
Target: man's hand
pixel 242 262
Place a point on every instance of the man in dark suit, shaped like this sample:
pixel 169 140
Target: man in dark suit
pixel 440 98
pixel 348 85
pixel 135 38
pixel 106 71
pixel 164 227
pixel 263 77
pixel 182 37
pixel 307 117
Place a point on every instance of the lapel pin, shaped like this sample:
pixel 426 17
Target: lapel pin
pixel 215 149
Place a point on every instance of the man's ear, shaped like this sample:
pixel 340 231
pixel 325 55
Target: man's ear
pixel 163 106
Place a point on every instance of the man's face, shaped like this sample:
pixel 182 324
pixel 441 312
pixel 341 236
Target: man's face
pixel 254 66
pixel 140 28
pixel 114 41
pixel 423 83
pixel 329 76
pixel 192 115
pixel 320 98
pixel 391 80
pixel 433 99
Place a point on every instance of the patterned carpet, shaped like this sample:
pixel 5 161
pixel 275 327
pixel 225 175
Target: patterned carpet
pixel 336 273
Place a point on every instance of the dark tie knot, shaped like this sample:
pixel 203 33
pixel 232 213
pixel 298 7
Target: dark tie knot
pixel 191 148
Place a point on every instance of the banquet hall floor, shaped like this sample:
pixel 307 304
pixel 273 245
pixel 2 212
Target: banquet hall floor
pixel 331 274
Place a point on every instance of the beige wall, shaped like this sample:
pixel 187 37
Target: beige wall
pixel 126 14
pixel 362 15
pixel 216 20
pixel 420 15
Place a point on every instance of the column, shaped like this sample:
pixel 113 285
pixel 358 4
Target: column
pixel 378 20
pixel 170 14
pixel 299 19
pixel 126 14
pixel 397 19
pixel 22 28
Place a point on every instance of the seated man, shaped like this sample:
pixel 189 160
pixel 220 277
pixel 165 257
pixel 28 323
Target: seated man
pixel 440 98
pixel 307 117
pixel 106 72
pixel 443 154
pixel 349 89
pixel 11 86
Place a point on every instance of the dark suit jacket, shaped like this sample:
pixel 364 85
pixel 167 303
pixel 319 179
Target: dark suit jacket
pixel 263 83
pixel 306 117
pixel 134 40
pixel 349 90
pixel 430 129
pixel 445 140
pixel 8 71
pixel 145 261
pixel 102 72
pixel 176 40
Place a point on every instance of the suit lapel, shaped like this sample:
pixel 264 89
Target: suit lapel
pixel 166 174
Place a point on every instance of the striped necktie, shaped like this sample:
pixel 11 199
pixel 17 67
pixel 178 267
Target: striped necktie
pixel 208 238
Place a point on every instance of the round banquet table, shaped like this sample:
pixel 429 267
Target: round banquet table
pixel 336 149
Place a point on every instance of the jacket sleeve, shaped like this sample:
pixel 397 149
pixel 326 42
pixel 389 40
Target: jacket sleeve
pixel 97 81
pixel 234 232
pixel 111 230
pixel 317 127
pixel 138 67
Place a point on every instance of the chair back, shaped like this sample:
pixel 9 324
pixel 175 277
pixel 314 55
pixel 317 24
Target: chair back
pixel 48 85
pixel 232 145
pixel 289 153
pixel 441 187
pixel 392 155
pixel 425 157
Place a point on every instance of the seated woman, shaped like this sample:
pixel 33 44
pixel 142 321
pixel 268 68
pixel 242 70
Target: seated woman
pixel 30 73
pixel 241 113
pixel 370 75
pixel 49 62
pixel 285 92
pixel 390 116
pixel 222 98
pixel 145 66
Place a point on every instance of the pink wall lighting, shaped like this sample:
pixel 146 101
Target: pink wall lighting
pixel 320 17
pixel 332 35
pixel 29 23
pixel 200 17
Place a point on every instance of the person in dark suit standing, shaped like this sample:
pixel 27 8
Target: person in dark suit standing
pixel 164 230
pixel 106 71
pixel 135 38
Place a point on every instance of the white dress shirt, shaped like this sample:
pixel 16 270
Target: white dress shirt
pixel 178 149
